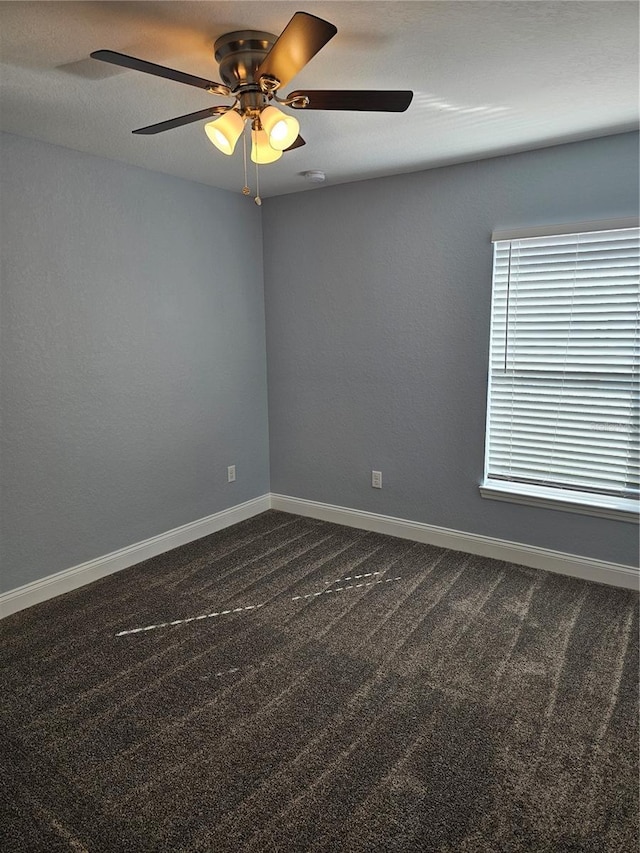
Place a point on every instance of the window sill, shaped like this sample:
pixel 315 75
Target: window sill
pixel 617 509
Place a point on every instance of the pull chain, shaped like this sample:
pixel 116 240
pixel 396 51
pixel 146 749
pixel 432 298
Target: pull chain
pixel 257 199
pixel 245 188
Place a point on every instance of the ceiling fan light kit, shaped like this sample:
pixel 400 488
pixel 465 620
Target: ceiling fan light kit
pixel 261 150
pixel 225 131
pixel 281 129
pixel 254 65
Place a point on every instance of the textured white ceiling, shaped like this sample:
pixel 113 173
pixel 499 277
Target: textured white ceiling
pixel 489 78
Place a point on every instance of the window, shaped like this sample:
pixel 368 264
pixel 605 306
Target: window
pixel 563 403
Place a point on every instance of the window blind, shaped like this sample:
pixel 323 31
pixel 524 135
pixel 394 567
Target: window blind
pixel 563 409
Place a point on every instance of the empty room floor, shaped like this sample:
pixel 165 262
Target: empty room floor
pixel 288 684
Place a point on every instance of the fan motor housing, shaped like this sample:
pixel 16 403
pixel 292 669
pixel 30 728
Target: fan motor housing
pixel 240 54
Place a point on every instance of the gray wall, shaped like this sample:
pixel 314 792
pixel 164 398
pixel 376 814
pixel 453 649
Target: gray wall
pixel 133 355
pixel 378 307
pixel 133 349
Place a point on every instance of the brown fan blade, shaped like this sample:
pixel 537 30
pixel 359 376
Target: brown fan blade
pixel 298 142
pixel 178 122
pixel 159 71
pixel 328 99
pixel 299 42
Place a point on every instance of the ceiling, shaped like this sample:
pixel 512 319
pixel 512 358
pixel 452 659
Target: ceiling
pixel 488 77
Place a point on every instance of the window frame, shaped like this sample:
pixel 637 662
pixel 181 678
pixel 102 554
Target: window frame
pixel 616 508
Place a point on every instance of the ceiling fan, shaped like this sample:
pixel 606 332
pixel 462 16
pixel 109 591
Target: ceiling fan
pixel 254 65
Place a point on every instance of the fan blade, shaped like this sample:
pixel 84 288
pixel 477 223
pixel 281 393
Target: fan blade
pixel 328 99
pixel 178 122
pixel 299 42
pixel 297 143
pixel 159 71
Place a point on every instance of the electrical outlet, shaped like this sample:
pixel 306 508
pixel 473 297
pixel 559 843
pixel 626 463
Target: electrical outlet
pixel 231 474
pixel 376 479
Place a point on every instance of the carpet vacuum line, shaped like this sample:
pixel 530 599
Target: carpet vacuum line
pixel 344 588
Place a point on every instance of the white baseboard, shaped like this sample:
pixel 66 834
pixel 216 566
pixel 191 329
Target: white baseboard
pixel 600 571
pixel 70 579
pixel 614 574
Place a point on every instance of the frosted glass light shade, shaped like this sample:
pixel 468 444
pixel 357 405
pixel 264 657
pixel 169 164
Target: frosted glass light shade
pixel 225 131
pixel 261 151
pixel 281 129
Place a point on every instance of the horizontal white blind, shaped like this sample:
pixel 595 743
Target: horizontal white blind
pixel 565 349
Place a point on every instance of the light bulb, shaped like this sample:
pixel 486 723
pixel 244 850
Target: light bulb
pixel 281 129
pixel 225 131
pixel 261 151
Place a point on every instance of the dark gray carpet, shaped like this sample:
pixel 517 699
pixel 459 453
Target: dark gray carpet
pixel 427 700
